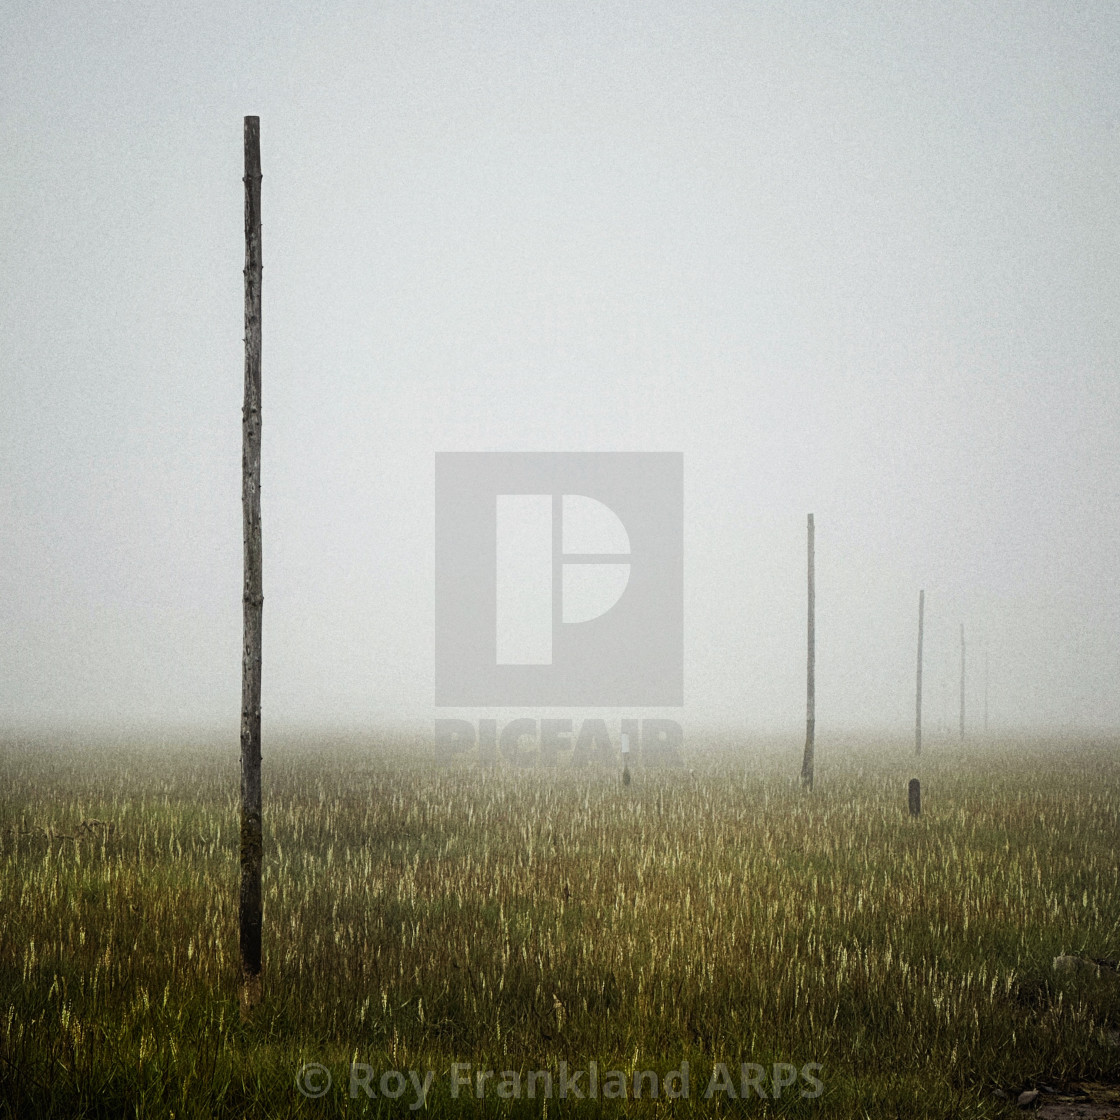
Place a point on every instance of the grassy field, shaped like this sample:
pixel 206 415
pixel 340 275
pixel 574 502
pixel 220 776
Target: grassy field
pixel 418 916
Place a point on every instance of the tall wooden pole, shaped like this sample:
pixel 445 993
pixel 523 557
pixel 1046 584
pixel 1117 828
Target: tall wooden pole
pixel 253 593
pixel 918 702
pixel 962 680
pixel 810 683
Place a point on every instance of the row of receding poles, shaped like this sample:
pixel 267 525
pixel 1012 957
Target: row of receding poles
pixel 250 908
pixel 915 795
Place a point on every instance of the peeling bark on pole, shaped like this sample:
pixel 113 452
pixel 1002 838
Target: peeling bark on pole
pixel 918 702
pixel 810 683
pixel 253 593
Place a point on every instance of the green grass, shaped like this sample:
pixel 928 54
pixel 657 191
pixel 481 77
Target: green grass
pixel 418 915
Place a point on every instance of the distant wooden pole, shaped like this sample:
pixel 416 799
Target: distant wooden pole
pixel 250 911
pixel 962 680
pixel 918 702
pixel 810 683
pixel 985 686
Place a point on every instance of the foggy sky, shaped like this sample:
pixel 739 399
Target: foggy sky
pixel 849 258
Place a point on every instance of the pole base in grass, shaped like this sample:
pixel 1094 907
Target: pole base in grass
pixel 626 777
pixel 251 994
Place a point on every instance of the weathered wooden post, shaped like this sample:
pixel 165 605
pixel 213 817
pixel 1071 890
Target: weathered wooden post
pixel 962 680
pixel 915 798
pixel 918 703
pixel 252 592
pixel 625 758
pixel 810 683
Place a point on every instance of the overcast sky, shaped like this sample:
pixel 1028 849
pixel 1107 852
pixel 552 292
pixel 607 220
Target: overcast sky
pixel 851 258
